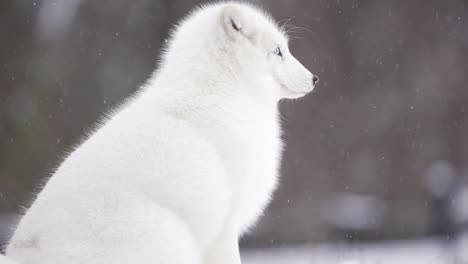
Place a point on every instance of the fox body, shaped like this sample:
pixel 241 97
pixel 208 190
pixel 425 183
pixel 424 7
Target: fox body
pixel 187 165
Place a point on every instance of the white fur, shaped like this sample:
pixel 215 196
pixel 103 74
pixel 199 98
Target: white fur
pixel 181 170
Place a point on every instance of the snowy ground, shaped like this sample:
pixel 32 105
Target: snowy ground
pixel 405 252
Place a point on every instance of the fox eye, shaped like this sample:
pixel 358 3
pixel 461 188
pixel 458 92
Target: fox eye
pixel 277 51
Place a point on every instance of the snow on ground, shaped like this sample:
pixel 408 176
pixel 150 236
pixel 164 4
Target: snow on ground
pixel 404 252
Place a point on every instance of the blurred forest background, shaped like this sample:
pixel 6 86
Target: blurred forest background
pixel 378 151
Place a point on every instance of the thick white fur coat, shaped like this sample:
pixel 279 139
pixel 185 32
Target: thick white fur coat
pixel 183 168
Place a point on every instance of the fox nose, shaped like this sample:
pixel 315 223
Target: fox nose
pixel 315 80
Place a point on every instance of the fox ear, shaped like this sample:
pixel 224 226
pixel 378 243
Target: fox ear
pixel 235 22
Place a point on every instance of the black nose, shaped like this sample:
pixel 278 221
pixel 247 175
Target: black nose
pixel 315 80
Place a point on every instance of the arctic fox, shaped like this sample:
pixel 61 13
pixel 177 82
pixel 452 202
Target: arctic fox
pixel 183 168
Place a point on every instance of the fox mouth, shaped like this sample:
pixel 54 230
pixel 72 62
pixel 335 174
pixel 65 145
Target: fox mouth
pixel 291 93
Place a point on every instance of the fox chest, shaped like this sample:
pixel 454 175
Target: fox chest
pixel 252 161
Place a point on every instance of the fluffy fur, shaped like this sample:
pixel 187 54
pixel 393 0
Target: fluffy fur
pixel 185 167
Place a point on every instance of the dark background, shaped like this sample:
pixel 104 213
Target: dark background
pixel 377 152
